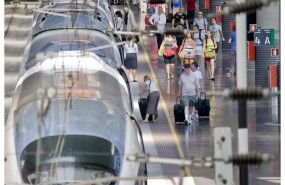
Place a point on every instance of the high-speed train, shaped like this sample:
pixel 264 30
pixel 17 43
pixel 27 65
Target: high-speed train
pixel 71 118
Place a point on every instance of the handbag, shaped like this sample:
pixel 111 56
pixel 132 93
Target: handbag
pixel 210 54
pixel 169 52
pixel 181 54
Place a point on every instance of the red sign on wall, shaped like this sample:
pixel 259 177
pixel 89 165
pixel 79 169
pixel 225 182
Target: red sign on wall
pixel 273 75
pixel 251 51
pixel 274 52
pixel 207 4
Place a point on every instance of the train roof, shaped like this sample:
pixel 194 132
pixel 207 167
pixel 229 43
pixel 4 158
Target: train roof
pixel 54 42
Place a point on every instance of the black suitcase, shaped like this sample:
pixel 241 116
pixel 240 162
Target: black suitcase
pixel 179 111
pixel 203 105
pixel 143 106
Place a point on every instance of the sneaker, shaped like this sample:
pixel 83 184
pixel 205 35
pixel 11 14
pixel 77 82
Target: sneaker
pixel 186 122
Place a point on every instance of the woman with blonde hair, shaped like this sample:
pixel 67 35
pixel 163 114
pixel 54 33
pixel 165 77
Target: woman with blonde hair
pixel 188 47
pixel 153 98
pixel 209 47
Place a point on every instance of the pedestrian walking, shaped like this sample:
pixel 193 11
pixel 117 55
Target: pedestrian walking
pixel 176 5
pixel 158 20
pixel 199 37
pixel 232 57
pixel 119 21
pixel 217 31
pixel 129 20
pixel 188 90
pixel 209 47
pixel 191 8
pixel 131 63
pixel 169 44
pixel 188 48
pixel 201 22
pixel 179 21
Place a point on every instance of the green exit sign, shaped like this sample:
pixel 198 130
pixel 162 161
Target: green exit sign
pixel 263 37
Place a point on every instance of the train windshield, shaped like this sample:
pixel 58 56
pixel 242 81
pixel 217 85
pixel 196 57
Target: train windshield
pixel 81 158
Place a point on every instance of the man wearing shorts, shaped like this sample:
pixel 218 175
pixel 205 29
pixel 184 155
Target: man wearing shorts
pixel 188 90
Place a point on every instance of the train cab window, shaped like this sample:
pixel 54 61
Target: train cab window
pixel 82 158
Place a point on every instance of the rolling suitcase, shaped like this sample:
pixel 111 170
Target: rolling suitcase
pixel 143 106
pixel 179 111
pixel 203 106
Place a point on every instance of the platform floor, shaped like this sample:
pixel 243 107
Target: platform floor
pixel 169 140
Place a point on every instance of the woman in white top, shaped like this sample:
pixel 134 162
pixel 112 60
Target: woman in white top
pixel 131 61
pixel 153 98
pixel 119 20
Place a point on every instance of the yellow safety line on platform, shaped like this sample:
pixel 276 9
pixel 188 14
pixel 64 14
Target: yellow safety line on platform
pixel 174 134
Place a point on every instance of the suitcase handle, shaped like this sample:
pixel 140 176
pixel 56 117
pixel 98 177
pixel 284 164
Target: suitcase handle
pixel 177 97
pixel 202 92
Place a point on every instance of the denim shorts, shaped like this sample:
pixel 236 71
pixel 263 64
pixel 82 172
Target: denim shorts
pixel 189 100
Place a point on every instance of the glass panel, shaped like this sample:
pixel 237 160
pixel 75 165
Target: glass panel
pixel 81 158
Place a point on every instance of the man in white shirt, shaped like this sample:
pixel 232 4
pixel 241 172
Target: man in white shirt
pixel 158 20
